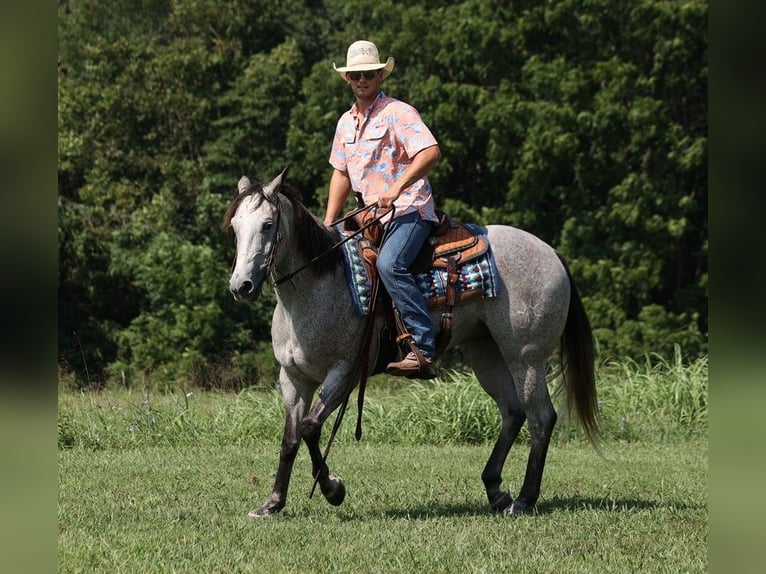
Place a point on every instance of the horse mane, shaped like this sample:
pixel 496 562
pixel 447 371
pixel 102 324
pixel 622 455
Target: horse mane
pixel 314 239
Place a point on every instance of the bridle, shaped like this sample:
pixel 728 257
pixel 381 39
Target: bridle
pixel 271 255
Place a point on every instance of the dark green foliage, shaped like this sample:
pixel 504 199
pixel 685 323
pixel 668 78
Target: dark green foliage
pixel 582 121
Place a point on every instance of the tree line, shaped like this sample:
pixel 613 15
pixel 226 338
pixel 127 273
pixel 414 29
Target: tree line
pixel 581 121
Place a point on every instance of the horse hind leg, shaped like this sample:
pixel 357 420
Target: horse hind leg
pixel 541 418
pixel 512 421
pixel 494 376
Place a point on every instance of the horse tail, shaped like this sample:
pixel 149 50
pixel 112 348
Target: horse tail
pixel 577 361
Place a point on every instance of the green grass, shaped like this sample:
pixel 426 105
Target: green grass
pixel 162 482
pixel 408 509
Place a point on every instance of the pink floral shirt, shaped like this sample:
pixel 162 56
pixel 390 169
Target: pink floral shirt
pixel 376 149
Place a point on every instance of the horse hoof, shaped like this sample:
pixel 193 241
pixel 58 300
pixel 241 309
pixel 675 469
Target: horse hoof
pixel 516 509
pixel 263 512
pixel 258 513
pixel 336 493
pixel 502 504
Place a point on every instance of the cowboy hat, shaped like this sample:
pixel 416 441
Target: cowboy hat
pixel 363 55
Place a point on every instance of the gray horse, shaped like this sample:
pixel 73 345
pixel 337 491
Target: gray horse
pixel 316 334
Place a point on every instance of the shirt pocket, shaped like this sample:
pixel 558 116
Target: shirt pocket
pixel 375 132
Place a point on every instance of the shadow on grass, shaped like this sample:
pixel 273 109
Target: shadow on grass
pixel 575 503
pixel 556 504
pixel 436 510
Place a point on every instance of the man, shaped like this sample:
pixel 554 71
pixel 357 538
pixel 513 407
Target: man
pixel 384 151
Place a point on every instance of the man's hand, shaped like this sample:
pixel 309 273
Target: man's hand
pixel 420 166
pixel 386 200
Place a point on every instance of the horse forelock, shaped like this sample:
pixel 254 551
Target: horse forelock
pixel 255 190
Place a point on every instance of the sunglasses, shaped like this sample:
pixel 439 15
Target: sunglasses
pixel 366 74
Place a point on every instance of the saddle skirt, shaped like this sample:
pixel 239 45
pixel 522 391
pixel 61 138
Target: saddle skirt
pixel 466 243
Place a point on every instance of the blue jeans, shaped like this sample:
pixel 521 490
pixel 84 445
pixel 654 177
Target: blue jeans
pixel 405 236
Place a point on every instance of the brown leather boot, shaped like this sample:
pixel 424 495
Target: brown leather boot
pixel 410 368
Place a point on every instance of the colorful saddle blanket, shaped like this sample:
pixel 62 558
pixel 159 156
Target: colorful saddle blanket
pixel 477 278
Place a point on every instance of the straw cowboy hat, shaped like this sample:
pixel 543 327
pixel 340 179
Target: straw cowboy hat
pixel 363 55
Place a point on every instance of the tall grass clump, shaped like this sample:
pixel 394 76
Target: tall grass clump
pixel 656 399
pixel 127 418
pixel 454 410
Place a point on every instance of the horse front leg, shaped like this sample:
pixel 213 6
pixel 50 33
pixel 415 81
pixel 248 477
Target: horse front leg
pixel 332 395
pixel 296 405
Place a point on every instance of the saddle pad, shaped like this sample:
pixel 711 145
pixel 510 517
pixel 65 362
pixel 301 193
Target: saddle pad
pixel 478 275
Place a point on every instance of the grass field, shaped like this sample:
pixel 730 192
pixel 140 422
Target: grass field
pixel 153 482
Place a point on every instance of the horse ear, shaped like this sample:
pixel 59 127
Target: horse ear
pixel 243 184
pixel 273 186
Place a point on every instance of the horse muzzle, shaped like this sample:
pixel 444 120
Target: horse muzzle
pixel 245 289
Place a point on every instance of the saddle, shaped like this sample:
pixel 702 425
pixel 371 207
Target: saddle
pixel 449 239
pixel 450 245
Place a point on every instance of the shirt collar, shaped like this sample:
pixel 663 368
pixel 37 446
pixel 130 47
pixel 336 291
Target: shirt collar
pixel 371 109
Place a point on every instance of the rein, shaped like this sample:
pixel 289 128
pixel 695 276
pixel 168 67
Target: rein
pixel 293 273
pixel 361 364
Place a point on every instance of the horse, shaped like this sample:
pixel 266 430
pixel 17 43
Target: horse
pixel 507 340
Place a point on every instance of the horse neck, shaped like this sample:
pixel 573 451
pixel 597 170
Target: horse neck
pixel 305 288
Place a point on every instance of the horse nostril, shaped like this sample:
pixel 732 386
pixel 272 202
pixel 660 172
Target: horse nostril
pixel 245 288
pixel 241 289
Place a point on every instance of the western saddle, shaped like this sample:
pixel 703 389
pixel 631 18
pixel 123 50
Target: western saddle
pixel 450 245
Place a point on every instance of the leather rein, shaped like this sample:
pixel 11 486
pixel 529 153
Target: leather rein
pixel 285 278
pixel 361 363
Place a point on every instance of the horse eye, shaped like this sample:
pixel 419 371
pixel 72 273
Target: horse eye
pixel 267 225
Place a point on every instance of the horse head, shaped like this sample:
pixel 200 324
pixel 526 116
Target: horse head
pixel 254 217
